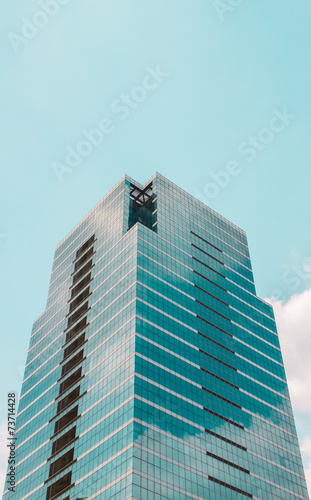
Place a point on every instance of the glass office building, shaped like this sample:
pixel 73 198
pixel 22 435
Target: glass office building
pixel 155 371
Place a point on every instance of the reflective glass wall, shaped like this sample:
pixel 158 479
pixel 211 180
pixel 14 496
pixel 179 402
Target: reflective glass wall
pixel 155 371
pixel 213 417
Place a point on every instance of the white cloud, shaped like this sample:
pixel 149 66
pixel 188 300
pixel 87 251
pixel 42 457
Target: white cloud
pixel 294 327
pixel 306 451
pixel 306 446
pixel 308 476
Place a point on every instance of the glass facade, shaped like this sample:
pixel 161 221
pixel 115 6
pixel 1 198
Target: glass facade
pixel 155 371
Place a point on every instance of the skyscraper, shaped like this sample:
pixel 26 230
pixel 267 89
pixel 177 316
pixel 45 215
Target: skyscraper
pixel 155 371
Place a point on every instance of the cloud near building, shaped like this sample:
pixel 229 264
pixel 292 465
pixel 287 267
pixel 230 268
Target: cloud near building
pixel 293 320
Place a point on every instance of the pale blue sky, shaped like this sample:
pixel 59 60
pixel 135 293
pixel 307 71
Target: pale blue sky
pixel 226 77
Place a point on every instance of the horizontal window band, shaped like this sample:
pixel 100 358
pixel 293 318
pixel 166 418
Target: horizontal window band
pixel 80 262
pixel 213 310
pixel 64 409
pixel 50 496
pixel 152 427
pixel 71 346
pixel 214 326
pixel 61 462
pixel 63 379
pixel 64 491
pixel 211 295
pixel 79 299
pixel 207 221
pixel 79 274
pixel 75 303
pixel 77 328
pixel 205 241
pixel 69 341
pixel 227 462
pixel 64 440
pixel 217 343
pixel 64 362
pixel 179 394
pixel 59 472
pixel 246 430
pixel 83 310
pixel 75 331
pixel 73 367
pixel 167 298
pixel 85 246
pixel 68 400
pixel 165 280
pixel 87 264
pixel 65 426
pixel 210 281
pixel 196 448
pixel 214 271
pixel 67 369
pixel 71 254
pixel 222 438
pixel 224 418
pixel 208 254
pixel 62 449
pixel 65 403
pixel 218 360
pixel 84 282
pixel 226 485
pixel 221 397
pixel 221 379
pixel 78 347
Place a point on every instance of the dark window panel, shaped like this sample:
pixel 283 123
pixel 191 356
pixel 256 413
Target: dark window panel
pixel 68 400
pixel 84 258
pixel 59 486
pixel 64 440
pixel 85 246
pixel 79 299
pixel 74 345
pixel 66 419
pixel 82 271
pixel 62 462
pixel 72 362
pixel 76 315
pixel 81 285
pixel 72 379
pixel 76 329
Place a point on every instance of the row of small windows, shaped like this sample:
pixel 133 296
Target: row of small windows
pixel 83 255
